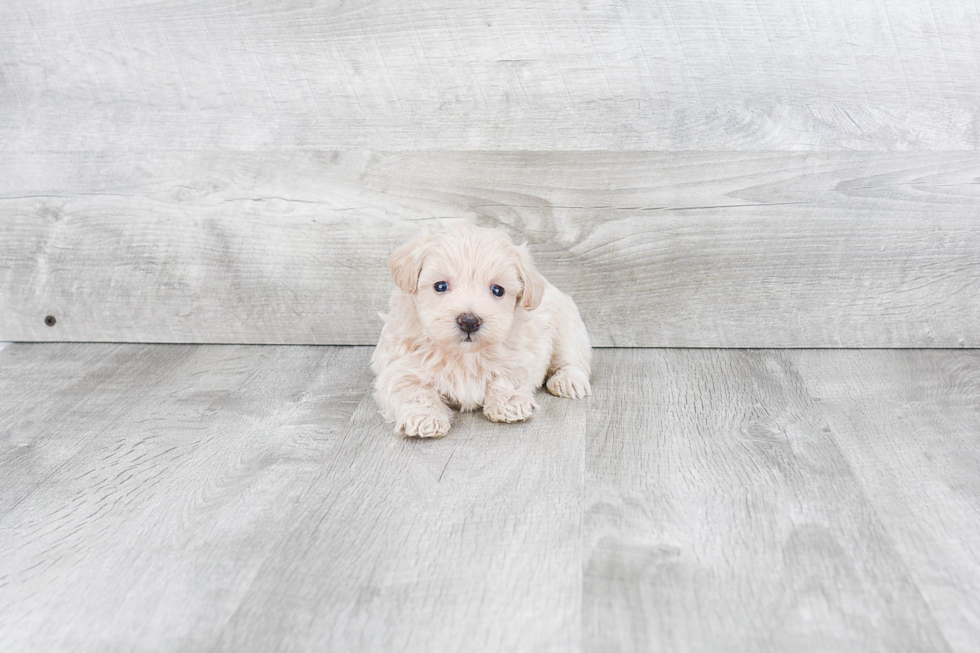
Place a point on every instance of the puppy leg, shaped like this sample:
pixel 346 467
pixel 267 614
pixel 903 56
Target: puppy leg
pixel 416 409
pixel 505 402
pixel 571 360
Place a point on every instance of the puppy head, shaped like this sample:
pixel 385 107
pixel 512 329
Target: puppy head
pixel 467 283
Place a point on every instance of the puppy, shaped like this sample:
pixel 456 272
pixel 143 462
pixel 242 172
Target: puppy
pixel 474 324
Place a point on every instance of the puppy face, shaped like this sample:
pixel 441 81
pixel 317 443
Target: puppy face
pixel 468 284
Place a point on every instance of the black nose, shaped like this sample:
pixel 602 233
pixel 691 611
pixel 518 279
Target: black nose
pixel 469 322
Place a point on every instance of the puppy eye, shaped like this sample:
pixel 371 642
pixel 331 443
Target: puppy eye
pixel 441 286
pixel 497 290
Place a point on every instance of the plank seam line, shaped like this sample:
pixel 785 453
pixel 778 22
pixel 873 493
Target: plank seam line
pixel 365 346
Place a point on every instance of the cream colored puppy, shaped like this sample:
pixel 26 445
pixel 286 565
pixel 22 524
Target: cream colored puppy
pixel 473 324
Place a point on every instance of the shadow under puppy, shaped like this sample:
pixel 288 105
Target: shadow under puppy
pixel 473 324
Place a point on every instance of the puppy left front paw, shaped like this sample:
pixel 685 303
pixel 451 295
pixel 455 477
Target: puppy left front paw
pixel 509 408
pixel 570 383
pixel 424 423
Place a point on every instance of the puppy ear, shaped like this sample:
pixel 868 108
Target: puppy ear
pixel 406 263
pixel 534 284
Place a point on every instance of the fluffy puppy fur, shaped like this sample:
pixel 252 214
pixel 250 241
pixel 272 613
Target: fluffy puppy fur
pixel 474 324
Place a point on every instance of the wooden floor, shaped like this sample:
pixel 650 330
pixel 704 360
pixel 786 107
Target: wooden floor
pixel 234 498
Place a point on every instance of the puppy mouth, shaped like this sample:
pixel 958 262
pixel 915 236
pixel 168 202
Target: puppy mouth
pixel 468 340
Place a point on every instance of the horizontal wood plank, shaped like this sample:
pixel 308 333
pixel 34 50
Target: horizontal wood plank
pixel 452 74
pixel 669 249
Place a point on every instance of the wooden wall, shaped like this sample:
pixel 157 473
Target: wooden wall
pixel 739 174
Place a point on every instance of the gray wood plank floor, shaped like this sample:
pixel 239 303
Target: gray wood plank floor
pixel 190 497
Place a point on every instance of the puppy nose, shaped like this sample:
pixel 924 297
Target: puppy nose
pixel 469 322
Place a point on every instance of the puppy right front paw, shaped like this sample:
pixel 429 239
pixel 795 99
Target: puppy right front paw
pixel 424 423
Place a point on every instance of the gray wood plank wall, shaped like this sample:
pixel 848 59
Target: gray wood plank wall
pixel 758 173
pixel 468 74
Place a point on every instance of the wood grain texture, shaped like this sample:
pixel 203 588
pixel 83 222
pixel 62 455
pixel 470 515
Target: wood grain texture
pixel 177 507
pixel 467 543
pixel 80 379
pixel 671 249
pixel 451 74
pixel 251 499
pixel 144 487
pixel 720 515
pixel 909 423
